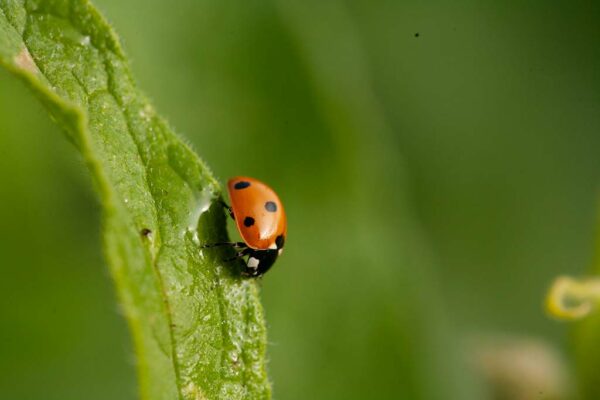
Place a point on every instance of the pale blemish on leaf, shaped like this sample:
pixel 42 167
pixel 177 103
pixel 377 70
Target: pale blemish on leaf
pixel 193 392
pixel 24 61
pixel 147 112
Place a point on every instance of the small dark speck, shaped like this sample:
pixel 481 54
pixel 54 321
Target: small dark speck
pixel 146 232
pixel 248 221
pixel 417 34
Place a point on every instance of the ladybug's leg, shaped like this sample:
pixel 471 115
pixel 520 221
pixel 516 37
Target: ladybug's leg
pixel 235 245
pixel 229 209
pixel 239 254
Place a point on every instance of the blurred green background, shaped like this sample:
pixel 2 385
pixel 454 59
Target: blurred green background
pixel 439 166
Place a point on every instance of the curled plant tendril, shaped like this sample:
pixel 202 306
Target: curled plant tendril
pixel 572 299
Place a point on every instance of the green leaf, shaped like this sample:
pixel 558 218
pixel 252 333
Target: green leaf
pixel 198 328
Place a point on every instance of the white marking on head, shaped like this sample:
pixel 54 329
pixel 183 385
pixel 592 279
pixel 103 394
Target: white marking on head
pixel 253 262
pixel 273 246
pixel 279 252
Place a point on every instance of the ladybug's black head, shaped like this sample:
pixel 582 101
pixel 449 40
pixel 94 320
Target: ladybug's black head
pixel 259 261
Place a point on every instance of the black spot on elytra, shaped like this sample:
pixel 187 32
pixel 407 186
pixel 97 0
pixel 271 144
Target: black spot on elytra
pixel 241 185
pixel 248 221
pixel 270 206
pixel 279 241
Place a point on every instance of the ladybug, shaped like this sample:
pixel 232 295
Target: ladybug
pixel 260 219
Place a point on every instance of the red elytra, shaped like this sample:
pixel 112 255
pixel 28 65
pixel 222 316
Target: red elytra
pixel 258 213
